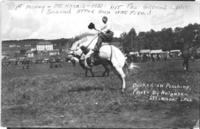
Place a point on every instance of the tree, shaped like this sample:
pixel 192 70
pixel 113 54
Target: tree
pixel 128 40
pixel 166 39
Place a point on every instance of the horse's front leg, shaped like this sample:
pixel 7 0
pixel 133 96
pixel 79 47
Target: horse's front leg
pixel 86 71
pixel 85 60
pixel 106 72
pixel 91 72
pixel 74 63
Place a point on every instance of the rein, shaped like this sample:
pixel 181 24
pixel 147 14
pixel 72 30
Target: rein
pixel 111 53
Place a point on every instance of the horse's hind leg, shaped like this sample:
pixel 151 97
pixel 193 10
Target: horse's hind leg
pixel 122 76
pixel 106 72
pixel 91 72
pixel 86 71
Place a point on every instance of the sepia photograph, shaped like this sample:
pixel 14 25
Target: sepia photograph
pixel 100 64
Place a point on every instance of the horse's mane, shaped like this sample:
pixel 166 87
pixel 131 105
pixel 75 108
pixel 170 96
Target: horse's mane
pixel 82 37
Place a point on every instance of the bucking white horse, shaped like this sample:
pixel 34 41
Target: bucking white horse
pixel 106 52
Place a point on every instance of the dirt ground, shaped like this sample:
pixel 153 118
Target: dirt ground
pixel 63 97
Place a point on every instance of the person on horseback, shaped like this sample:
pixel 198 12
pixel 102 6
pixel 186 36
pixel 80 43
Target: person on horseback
pixel 104 35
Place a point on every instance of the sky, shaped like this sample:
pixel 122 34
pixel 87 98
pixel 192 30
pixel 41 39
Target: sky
pixel 53 20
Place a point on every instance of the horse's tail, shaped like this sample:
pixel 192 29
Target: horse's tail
pixel 126 67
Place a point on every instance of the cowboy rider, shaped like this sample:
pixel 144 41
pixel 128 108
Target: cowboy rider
pixel 105 35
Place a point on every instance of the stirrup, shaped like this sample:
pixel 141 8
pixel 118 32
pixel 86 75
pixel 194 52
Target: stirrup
pixel 96 50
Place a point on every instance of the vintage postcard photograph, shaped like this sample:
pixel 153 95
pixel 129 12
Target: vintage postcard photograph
pixel 105 64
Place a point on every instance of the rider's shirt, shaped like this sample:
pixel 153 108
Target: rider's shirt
pixel 104 27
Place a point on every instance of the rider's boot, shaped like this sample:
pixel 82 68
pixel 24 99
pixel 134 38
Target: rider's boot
pixel 94 56
pixel 96 51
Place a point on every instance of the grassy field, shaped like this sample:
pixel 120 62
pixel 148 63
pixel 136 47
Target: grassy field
pixel 63 97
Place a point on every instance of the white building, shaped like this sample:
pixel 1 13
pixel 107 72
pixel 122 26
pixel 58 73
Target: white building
pixel 44 46
pixel 156 51
pixel 145 51
pixel 175 53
